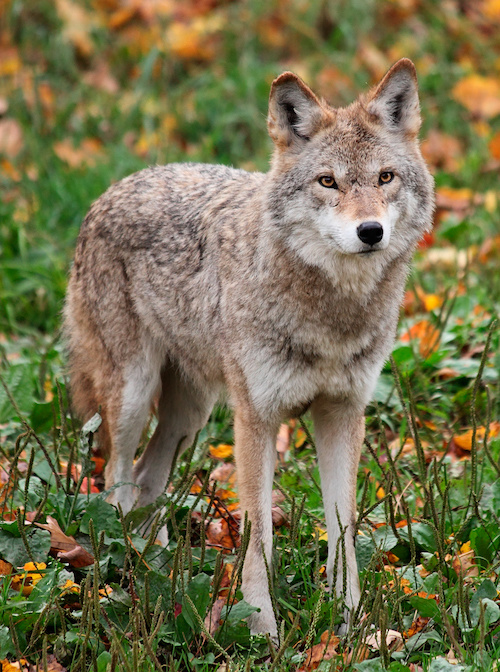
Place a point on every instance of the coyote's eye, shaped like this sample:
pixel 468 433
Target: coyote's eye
pixel 328 181
pixel 385 177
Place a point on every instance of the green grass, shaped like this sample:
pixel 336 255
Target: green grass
pixel 161 107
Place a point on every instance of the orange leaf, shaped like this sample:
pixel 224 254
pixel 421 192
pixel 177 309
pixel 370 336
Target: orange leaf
pixel 221 452
pixel 464 441
pixel 494 146
pixel 220 535
pixel 325 650
pixel 480 95
pixel 5 568
pixel 426 333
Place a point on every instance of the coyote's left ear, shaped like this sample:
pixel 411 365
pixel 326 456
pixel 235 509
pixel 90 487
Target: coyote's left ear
pixel 295 112
pixel 395 99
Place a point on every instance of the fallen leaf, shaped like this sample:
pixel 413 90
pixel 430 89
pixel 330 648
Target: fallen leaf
pixel 15 666
pixel 442 151
pixel 212 619
pixel 86 154
pixel 26 581
pixel 419 624
pixel 78 24
pixel 464 441
pixel 11 137
pixel 494 146
pixel 192 40
pixel 427 335
pixel 224 473
pixel 221 452
pixel 464 564
pixel 325 650
pixel 66 548
pixel 480 95
pixel 220 534
pixel 283 439
pixel 100 77
pixel 456 200
pixel 393 640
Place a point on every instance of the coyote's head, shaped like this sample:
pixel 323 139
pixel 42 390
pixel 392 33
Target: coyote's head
pixel 349 181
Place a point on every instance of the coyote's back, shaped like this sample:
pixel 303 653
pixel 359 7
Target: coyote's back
pixel 282 288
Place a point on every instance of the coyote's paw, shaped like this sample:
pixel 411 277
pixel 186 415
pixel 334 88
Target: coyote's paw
pixel 262 622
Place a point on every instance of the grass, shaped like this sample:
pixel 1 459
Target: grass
pixel 97 94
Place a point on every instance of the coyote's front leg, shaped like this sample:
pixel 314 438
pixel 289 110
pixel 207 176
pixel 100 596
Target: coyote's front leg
pixel 255 452
pixel 339 432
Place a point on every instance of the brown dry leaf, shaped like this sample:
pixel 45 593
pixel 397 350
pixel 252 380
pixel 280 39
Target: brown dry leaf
pixel 442 151
pixel 490 248
pixel 279 516
pixel 11 137
pixel 464 563
pixel 221 452
pixel 393 640
pixel 456 200
pixel 221 534
pixel 212 619
pixel 193 40
pixel 66 547
pixel 78 23
pixel 53 665
pixel 373 59
pixel 480 95
pixel 100 77
pixel 224 473
pixel 325 650
pixel 283 440
pixel 5 568
pixel 89 150
pixel 419 624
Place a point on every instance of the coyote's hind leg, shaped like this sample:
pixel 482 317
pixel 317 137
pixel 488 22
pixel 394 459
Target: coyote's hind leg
pixel 183 409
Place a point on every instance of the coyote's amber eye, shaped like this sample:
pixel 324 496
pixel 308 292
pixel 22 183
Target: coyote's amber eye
pixel 328 181
pixel 385 177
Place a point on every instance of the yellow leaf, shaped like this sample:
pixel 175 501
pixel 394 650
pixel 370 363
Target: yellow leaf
pixel 25 582
pixel 491 9
pixel 221 452
pixel 432 301
pixel 69 587
pixel 480 95
pixel 301 438
pixel 322 534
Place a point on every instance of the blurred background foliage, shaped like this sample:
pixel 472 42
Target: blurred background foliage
pixel 91 90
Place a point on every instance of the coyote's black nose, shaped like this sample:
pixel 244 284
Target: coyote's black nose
pixel 370 232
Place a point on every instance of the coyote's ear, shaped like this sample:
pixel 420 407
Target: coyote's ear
pixel 395 100
pixel 295 113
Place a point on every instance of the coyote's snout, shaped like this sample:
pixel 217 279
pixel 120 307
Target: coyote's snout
pixel 283 288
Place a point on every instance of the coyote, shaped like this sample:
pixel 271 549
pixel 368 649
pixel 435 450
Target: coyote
pixel 281 288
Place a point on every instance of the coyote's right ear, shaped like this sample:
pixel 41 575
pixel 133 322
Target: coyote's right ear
pixel 295 113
